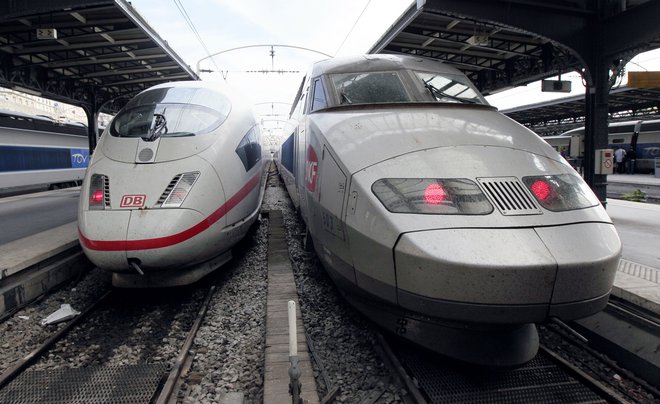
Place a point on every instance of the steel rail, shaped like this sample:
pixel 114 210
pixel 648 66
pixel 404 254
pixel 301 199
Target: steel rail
pixel 174 377
pixel 12 372
pixel 395 364
pixel 596 386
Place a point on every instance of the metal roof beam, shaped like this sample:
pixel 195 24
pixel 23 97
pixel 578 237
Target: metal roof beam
pixel 73 47
pixel 493 51
pixel 121 72
pixel 107 24
pixel 83 36
pixel 568 26
pixel 640 25
pixel 149 80
pixel 97 60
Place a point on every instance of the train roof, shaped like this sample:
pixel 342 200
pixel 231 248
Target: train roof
pixel 380 62
pixel 622 127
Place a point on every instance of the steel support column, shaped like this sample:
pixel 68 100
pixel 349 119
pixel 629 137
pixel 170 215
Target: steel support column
pixel 92 112
pixel 596 127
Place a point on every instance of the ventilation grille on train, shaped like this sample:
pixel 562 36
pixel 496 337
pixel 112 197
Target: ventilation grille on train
pixel 510 196
pixel 169 189
pixel 106 191
pixel 177 190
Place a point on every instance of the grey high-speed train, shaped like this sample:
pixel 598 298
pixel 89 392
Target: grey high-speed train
pixel 438 217
pixel 175 182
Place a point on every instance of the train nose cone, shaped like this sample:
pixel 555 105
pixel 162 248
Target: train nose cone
pixel 505 275
pixel 484 275
pixel 587 256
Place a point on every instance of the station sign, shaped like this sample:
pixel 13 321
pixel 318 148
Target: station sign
pixel 644 79
pixel 556 86
pixel 46 33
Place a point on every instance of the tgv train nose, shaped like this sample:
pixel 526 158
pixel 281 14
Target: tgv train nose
pixel 507 275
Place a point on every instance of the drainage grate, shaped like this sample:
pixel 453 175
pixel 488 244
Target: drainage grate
pixel 90 385
pixel 539 381
pixel 510 196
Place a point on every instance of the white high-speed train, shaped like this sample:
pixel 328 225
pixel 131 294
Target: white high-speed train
pixel 438 217
pixel 176 180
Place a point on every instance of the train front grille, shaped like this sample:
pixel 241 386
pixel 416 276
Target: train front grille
pixel 510 196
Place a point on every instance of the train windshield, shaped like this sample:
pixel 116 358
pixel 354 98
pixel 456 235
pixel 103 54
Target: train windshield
pixel 171 112
pixel 450 88
pixel 369 88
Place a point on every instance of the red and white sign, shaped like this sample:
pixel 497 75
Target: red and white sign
pixel 132 201
pixel 311 169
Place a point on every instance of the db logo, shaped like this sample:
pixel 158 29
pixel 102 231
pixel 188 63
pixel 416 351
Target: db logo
pixel 311 169
pixel 132 201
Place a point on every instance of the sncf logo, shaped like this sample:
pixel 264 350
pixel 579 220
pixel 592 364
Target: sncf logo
pixel 132 201
pixel 311 169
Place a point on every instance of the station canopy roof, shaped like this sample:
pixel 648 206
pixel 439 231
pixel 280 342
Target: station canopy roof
pixel 500 44
pixel 557 116
pixel 83 52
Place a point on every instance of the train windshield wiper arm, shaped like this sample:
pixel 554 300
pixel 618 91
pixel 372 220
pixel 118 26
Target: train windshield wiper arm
pixel 180 134
pixel 158 128
pixel 437 94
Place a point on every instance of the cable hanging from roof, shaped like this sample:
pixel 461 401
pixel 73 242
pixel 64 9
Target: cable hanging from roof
pixel 186 17
pixel 353 27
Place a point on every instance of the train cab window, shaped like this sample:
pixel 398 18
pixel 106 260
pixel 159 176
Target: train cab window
pixel 171 112
pixel 318 99
pixel 369 88
pixel 450 88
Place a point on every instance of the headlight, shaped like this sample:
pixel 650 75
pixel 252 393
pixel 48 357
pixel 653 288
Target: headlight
pixel 455 196
pixel 561 192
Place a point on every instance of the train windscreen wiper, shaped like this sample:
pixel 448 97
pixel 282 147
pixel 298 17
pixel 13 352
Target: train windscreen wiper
pixel 437 94
pixel 158 127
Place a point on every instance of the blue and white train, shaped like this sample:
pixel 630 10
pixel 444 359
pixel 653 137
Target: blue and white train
pixel 642 136
pixel 38 153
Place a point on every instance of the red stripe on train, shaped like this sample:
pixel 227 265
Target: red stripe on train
pixel 160 242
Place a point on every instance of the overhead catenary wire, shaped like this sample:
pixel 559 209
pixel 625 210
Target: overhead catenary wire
pixel 188 20
pixel 353 27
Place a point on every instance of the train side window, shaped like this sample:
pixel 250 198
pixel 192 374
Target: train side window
pixel 249 149
pixel 318 99
pixel 620 140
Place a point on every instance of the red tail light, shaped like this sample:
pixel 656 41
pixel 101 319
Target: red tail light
pixel 561 192
pixel 97 197
pixel 97 192
pixel 541 190
pixel 434 194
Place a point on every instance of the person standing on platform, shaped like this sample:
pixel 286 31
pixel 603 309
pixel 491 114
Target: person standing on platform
pixel 619 155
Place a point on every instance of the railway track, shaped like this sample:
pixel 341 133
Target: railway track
pixel 428 378
pixel 557 374
pixel 47 375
